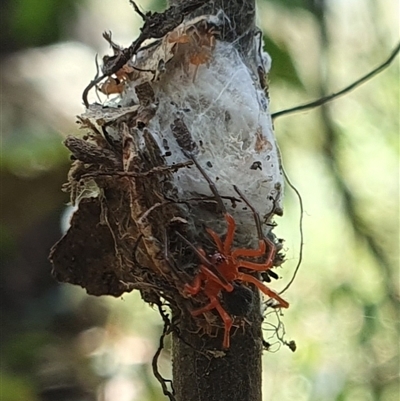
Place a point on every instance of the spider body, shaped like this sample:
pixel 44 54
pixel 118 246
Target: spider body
pixel 230 265
pixel 198 40
pixel 238 302
pixel 116 85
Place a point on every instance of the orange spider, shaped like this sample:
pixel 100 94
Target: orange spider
pixel 226 263
pixel 117 84
pixel 200 38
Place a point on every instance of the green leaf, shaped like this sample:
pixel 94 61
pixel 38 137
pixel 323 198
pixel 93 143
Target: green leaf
pixel 283 67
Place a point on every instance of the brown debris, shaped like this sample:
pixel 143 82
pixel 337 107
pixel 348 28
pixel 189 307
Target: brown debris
pixel 124 193
pixel 87 152
pixel 262 144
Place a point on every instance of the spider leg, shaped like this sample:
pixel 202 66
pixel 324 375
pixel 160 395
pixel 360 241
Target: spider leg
pixel 227 325
pixel 261 238
pixel 258 252
pixel 215 304
pixel 267 291
pixel 255 213
pixel 272 252
pixel 230 233
pixel 260 234
pixel 216 239
pixel 259 267
pixel 195 287
pixel 210 267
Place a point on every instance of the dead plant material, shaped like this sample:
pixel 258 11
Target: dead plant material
pixel 116 180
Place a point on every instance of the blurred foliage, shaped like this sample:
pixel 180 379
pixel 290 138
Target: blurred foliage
pixel 34 22
pixel 59 344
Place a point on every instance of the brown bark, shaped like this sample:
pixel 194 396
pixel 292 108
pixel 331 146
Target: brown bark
pixel 201 371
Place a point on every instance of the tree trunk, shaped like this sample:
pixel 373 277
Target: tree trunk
pixel 202 372
pixel 178 176
pixel 198 373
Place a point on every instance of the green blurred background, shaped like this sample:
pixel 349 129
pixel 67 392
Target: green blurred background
pixel 60 344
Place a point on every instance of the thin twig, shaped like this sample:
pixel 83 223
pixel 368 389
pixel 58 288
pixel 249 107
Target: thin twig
pixel 301 231
pixel 211 184
pixel 142 16
pixel 255 213
pixel 326 99
pixel 154 362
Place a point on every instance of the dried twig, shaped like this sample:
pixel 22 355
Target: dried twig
pixel 154 363
pixel 301 232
